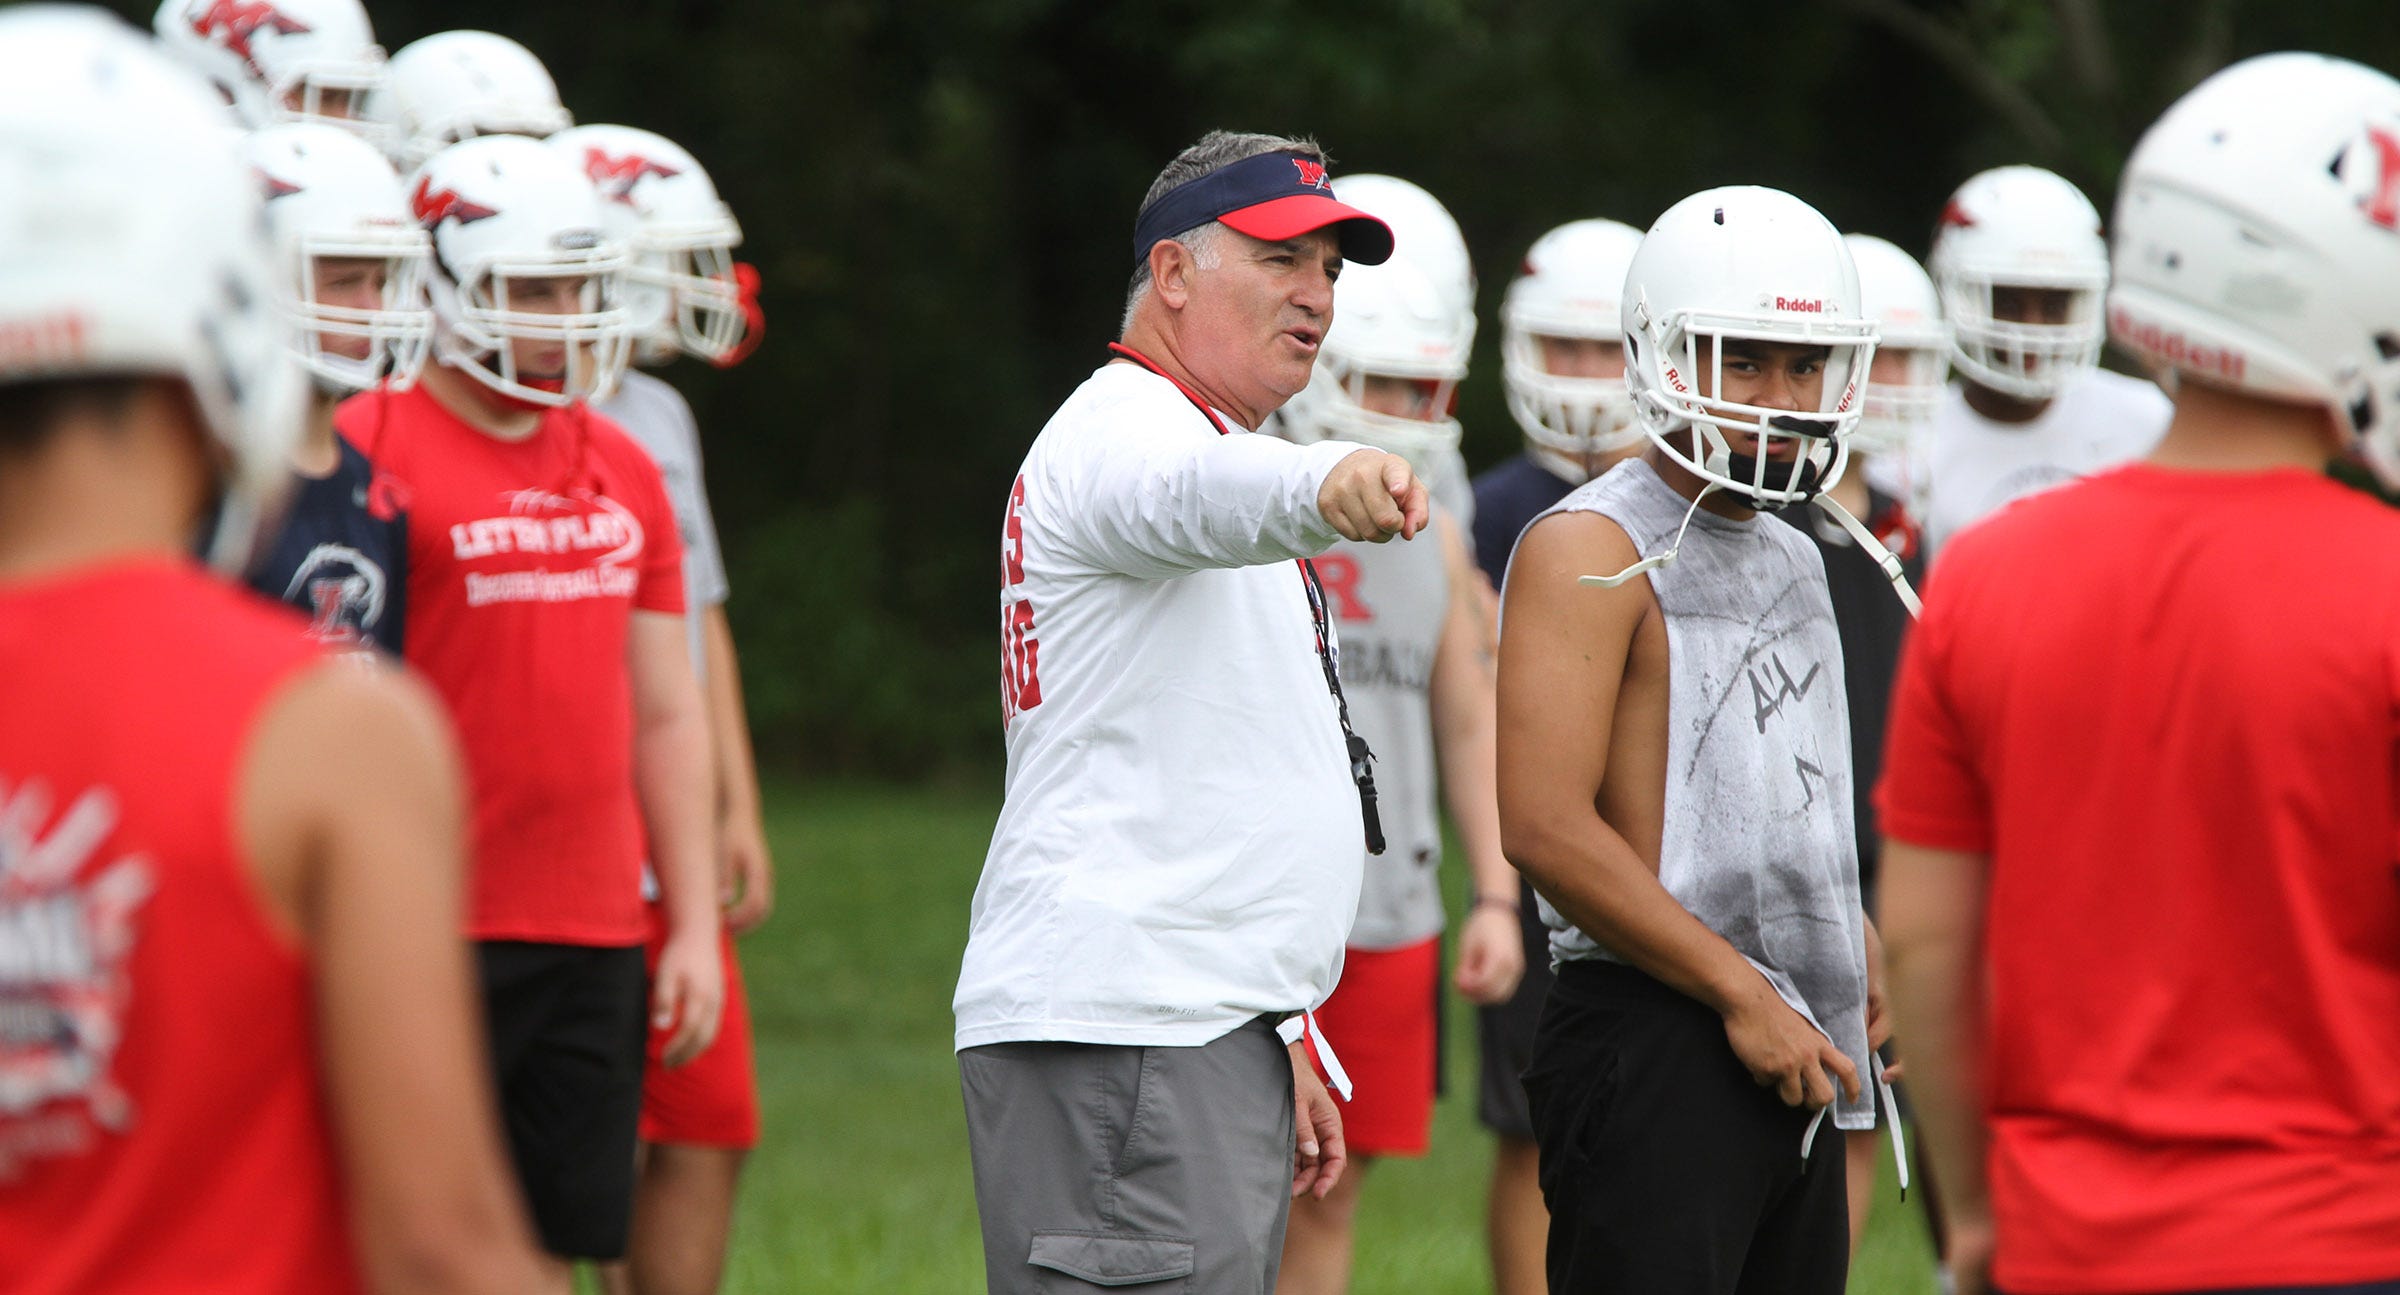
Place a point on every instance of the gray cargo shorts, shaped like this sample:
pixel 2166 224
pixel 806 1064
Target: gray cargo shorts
pixel 1166 1169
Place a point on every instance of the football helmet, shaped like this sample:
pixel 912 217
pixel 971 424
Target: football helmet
pixel 1744 263
pixel 1895 292
pixel 683 289
pixel 330 194
pixel 131 243
pixel 504 209
pixel 2021 227
pixel 281 60
pixel 456 85
pixel 2258 242
pixel 1572 285
pixel 1406 319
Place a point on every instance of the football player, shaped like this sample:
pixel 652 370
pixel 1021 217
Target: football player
pixel 2140 793
pixel 280 60
pixel 1416 667
pixel 350 276
pixel 1685 815
pixel 2021 267
pixel 237 1048
pixel 546 604
pixel 456 85
pixel 687 296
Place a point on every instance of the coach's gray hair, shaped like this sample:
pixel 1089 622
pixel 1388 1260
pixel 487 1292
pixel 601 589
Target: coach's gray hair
pixel 1216 150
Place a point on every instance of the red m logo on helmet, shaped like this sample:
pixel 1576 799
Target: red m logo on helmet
pixel 1955 214
pixel 1312 174
pixel 615 177
pixel 435 206
pixel 2382 205
pixel 233 22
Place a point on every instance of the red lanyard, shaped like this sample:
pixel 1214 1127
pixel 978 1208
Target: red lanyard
pixel 1361 758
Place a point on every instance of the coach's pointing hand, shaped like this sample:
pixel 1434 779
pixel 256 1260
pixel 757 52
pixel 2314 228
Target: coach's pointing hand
pixel 1373 496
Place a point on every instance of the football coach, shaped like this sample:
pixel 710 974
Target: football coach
pixel 1176 863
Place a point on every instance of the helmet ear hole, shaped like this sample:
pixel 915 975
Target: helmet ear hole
pixel 2387 346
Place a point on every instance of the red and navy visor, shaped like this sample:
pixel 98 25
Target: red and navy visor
pixel 1273 196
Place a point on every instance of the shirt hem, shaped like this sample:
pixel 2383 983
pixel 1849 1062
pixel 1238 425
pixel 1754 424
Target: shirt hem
pixel 1187 1034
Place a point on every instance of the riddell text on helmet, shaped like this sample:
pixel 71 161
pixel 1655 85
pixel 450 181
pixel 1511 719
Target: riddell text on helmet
pixel 2176 349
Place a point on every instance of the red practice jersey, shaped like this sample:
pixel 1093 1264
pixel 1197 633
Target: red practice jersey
pixel 526 562
pixel 2167 706
pixel 161 1121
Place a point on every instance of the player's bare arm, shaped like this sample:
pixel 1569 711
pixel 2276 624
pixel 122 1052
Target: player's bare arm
pixel 1491 947
pixel 671 769
pixel 351 814
pixel 1373 496
pixel 748 868
pixel 1933 905
pixel 1582 775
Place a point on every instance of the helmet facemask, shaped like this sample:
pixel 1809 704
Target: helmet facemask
pixel 1899 414
pixel 481 330
pixel 398 331
pixel 307 92
pixel 1698 431
pixel 2030 361
pixel 1570 420
pixel 684 297
pixel 1335 407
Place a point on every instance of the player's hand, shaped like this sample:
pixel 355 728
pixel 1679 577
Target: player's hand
pixel 748 873
pixel 1784 1052
pixel 1373 496
pixel 1970 1252
pixel 1318 1153
pixel 687 994
pixel 1491 955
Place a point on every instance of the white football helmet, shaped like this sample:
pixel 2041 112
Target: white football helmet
pixel 131 243
pixel 1424 230
pixel 1894 291
pixel 1572 285
pixel 330 194
pixel 456 85
pixel 2258 242
pixel 1404 319
pixel 282 60
pixel 2021 227
pixel 502 209
pixel 1744 263
pixel 683 289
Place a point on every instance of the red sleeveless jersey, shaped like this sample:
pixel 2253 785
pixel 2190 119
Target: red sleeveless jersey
pixel 161 1121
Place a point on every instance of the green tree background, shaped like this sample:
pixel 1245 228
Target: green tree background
pixel 940 196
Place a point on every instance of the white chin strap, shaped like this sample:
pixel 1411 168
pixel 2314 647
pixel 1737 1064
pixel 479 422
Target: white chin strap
pixel 1867 543
pixel 1656 561
pixel 1874 549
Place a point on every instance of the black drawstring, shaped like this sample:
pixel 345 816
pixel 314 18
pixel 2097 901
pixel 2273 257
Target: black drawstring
pixel 1362 759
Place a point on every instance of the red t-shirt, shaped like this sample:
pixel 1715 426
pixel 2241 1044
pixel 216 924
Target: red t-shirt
pixel 526 562
pixel 2167 705
pixel 162 1126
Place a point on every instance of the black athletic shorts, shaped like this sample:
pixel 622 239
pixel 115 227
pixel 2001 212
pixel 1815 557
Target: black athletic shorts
pixel 567 1025
pixel 1504 1031
pixel 1667 1171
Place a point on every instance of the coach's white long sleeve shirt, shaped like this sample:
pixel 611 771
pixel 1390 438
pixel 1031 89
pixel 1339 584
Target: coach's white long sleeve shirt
pixel 1179 850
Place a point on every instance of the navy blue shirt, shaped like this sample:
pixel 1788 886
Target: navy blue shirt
pixel 342 557
pixel 1508 496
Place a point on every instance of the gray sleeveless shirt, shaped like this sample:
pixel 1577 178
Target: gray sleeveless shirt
pixel 1758 842
pixel 1389 602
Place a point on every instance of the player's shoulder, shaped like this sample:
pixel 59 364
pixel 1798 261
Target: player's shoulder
pixel 1121 400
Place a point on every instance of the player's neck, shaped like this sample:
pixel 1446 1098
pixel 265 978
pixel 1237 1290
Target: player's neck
pixel 319 451
pixel 98 493
pixel 2215 430
pixel 477 405
pixel 1999 406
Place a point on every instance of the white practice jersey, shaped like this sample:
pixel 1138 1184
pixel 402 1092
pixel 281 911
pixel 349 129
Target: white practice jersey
pixel 1391 601
pixel 661 422
pixel 1178 851
pixel 1974 465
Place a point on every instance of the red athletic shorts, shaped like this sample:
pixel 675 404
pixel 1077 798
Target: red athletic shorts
pixel 1381 1024
pixel 711 1100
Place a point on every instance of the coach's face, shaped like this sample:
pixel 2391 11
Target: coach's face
pixel 1252 323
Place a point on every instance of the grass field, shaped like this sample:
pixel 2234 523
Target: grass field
pixel 862 1183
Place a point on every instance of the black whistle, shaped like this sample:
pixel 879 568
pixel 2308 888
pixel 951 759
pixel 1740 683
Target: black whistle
pixel 1362 772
